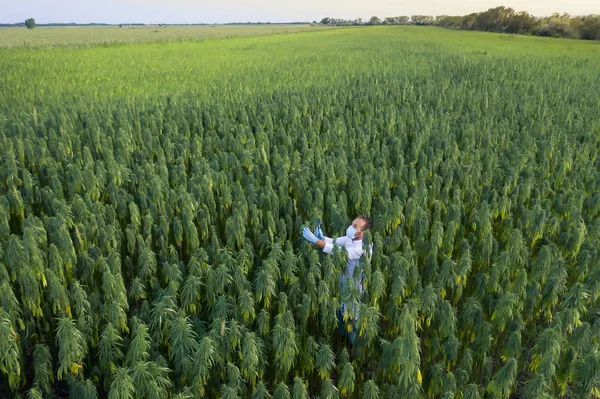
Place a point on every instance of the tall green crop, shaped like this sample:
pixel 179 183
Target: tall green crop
pixel 152 198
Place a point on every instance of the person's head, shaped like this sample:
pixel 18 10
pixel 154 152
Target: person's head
pixel 359 225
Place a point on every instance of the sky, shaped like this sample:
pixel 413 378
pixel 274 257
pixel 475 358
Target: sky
pixel 222 11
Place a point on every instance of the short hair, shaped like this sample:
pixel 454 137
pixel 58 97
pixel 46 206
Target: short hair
pixel 368 223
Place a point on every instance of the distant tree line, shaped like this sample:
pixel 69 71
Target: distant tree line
pixel 507 20
pixel 401 20
pixel 498 19
pixel 30 23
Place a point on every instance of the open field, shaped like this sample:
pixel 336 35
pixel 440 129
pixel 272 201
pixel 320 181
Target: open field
pixel 257 64
pixel 76 36
pixel 152 197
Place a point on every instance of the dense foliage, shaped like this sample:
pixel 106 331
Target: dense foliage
pixel 150 243
pixel 30 23
pixel 498 19
pixel 507 20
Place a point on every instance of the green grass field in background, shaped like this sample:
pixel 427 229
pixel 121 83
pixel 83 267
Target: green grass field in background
pixel 77 36
pixel 247 64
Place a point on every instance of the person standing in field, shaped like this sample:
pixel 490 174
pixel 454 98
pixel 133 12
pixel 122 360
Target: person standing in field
pixel 353 242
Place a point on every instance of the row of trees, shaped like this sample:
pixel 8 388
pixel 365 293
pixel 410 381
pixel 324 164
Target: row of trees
pixel 498 19
pixel 375 20
pixel 507 20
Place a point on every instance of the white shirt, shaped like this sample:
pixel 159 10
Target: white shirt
pixel 354 248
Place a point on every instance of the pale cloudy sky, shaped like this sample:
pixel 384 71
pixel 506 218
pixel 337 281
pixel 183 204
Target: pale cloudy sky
pixel 221 11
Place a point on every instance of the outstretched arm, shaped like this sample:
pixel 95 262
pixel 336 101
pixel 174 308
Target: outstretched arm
pixel 326 244
pixel 310 237
pixel 328 240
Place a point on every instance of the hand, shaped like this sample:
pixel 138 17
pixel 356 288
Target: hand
pixel 319 233
pixel 309 236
